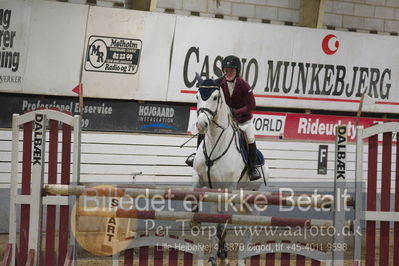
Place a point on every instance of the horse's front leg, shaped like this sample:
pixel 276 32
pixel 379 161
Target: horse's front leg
pixel 222 250
pixel 214 239
pixel 195 179
pixel 195 206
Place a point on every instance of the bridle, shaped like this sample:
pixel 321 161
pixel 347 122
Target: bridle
pixel 208 112
pixel 208 161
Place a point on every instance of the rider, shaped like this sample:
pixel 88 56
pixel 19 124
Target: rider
pixel 239 97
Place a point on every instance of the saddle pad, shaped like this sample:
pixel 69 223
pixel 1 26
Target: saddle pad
pixel 260 159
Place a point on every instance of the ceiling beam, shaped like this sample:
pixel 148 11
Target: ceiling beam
pixel 144 5
pixel 311 13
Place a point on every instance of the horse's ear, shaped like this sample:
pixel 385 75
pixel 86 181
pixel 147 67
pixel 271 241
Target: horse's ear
pixel 199 79
pixel 218 81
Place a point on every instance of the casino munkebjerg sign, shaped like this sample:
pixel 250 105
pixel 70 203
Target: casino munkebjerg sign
pixel 289 66
pixel 327 79
pixel 302 78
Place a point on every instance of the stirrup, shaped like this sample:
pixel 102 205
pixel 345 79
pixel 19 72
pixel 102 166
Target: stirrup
pixel 253 174
pixel 190 160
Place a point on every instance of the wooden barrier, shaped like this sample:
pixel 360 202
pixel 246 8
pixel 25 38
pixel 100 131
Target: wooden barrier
pixel 198 195
pixel 371 216
pixel 205 217
pixel 31 203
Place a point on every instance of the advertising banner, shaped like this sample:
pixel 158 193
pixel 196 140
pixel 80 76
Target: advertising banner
pixel 14 26
pixel 103 114
pixel 306 127
pixel 41 46
pixel 322 127
pixel 113 55
pixel 56 37
pixel 267 124
pixel 127 54
pixel 168 118
pixel 289 66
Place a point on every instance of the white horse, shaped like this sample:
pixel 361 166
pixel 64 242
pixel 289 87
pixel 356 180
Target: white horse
pixel 218 162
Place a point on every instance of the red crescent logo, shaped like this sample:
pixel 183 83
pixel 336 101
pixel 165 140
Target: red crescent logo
pixel 325 44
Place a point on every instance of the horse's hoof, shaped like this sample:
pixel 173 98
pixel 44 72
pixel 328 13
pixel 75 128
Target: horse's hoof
pixel 222 254
pixel 212 261
pixel 226 262
pixel 241 263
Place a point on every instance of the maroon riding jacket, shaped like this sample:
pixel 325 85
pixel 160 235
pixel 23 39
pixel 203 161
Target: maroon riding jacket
pixel 242 101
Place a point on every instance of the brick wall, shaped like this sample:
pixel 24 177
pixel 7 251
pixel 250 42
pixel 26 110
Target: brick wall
pixel 267 11
pixel 375 16
pixel 371 16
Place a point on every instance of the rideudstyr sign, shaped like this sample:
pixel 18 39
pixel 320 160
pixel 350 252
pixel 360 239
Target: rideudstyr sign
pixel 323 127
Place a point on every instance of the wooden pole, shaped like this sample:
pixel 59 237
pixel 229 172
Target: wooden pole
pixel 359 110
pixel 196 195
pixel 204 217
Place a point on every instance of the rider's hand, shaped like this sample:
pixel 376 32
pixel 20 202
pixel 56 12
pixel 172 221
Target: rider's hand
pixel 234 112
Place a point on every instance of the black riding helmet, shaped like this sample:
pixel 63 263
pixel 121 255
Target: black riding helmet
pixel 232 62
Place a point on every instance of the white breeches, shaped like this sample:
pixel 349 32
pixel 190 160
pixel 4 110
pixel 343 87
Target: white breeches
pixel 249 129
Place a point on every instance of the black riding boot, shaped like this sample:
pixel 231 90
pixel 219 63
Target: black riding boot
pixel 252 171
pixel 190 159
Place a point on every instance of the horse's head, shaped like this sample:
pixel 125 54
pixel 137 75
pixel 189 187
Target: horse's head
pixel 209 99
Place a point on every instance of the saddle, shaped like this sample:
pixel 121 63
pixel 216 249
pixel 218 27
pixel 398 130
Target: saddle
pixel 243 148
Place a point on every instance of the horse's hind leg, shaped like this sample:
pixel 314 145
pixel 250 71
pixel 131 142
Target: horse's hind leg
pixel 214 252
pixel 214 239
pixel 222 250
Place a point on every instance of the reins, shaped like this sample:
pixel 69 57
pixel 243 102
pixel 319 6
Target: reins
pixel 208 161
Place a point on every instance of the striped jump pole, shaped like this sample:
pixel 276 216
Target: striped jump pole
pixel 197 195
pixel 349 199
pixel 250 220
